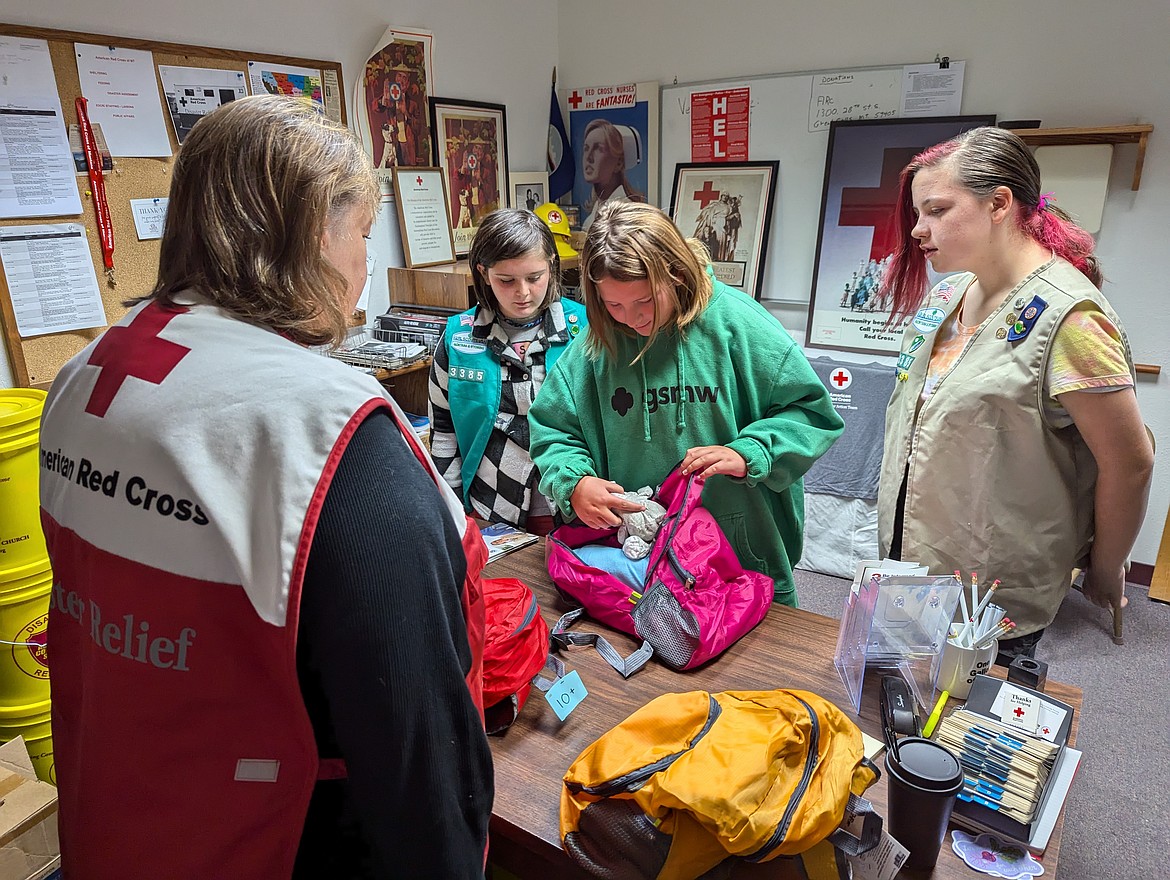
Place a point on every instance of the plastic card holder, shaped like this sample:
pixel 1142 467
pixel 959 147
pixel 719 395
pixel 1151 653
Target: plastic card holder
pixel 895 622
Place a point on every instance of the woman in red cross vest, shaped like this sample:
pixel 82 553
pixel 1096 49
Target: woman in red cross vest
pixel 265 608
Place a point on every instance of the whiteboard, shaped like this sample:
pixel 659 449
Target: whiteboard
pixel 790 115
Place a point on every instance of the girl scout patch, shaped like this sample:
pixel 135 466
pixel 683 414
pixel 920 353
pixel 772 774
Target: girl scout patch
pixel 945 292
pixel 1027 319
pixel 927 320
pixel 463 342
pixel 916 343
pixel 905 359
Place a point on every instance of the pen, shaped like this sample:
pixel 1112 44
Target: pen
pixel 932 719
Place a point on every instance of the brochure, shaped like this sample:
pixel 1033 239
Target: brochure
pixel 502 539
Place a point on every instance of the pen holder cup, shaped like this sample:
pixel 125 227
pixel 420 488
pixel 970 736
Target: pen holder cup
pixel 959 666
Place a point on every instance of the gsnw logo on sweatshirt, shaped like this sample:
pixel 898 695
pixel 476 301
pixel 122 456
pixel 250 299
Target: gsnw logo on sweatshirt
pixel 623 401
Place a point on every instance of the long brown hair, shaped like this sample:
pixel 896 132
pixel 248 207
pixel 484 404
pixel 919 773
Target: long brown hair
pixel 632 241
pixel 255 185
pixel 982 160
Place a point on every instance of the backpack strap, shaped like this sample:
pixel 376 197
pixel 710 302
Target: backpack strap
pixel 552 664
pixel 561 638
pixel 871 828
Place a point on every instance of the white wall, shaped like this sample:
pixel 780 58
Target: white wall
pixel 1066 62
pixel 504 53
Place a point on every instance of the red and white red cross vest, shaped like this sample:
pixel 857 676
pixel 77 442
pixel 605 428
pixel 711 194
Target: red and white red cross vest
pixel 185 456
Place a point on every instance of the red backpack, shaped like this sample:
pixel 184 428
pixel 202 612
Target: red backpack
pixel 515 649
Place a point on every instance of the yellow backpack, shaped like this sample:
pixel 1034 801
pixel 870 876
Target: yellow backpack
pixel 691 779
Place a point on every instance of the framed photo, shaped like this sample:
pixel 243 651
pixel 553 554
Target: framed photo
pixel 423 216
pixel 529 189
pixel 728 207
pixel 857 235
pixel 470 141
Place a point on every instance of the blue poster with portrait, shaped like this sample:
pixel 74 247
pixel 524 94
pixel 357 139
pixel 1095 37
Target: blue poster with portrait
pixel 613 132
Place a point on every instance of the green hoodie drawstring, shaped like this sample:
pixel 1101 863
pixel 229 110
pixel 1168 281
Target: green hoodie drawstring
pixel 645 401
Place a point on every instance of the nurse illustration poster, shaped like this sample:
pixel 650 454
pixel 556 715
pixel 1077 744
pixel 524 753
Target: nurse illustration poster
pixel 613 131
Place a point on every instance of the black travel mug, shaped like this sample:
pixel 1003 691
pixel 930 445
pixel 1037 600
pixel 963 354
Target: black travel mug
pixel 924 778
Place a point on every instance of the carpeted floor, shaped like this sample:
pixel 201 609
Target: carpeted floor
pixel 1116 818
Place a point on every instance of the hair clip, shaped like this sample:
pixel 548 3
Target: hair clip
pixel 1045 200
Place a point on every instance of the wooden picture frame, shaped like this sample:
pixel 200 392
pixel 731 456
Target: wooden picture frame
pixel 528 186
pixel 858 234
pixel 469 142
pixel 728 206
pixel 420 194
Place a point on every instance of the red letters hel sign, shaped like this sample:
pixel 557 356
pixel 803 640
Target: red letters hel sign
pixel 719 125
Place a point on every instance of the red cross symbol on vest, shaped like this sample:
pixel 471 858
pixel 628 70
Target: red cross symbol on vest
pixel 395 91
pixel 841 379
pixel 133 350
pixel 706 195
pixel 575 100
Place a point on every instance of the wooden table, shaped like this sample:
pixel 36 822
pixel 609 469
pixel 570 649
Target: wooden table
pixel 789 649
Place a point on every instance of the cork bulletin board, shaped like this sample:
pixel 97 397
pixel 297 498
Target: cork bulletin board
pixel 36 360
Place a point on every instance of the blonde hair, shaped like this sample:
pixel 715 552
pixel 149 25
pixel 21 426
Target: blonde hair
pixel 615 145
pixel 631 241
pixel 255 186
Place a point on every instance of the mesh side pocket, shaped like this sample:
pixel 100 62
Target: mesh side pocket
pixel 667 626
pixel 615 840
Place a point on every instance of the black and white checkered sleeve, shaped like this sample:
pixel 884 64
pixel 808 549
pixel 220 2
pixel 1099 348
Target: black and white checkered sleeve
pixel 444 446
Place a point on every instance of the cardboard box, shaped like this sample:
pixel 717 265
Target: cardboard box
pixel 29 848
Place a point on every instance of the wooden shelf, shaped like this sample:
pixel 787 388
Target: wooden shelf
pixel 1109 134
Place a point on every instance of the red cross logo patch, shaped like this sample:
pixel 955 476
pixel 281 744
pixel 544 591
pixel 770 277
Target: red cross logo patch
pixel 134 350
pixel 554 216
pixel 395 91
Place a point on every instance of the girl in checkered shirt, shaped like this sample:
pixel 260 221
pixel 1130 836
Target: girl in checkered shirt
pixel 490 364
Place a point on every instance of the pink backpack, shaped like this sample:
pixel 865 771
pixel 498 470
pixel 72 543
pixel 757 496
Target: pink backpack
pixel 697 600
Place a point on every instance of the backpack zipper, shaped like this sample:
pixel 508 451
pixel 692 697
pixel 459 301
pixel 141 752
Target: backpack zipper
pixel 688 579
pixel 790 811
pixel 528 615
pixel 681 573
pixel 635 779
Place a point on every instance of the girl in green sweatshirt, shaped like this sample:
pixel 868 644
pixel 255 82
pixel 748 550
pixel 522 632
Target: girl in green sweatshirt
pixel 677 366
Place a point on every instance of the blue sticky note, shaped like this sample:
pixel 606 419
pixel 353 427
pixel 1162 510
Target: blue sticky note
pixel 566 694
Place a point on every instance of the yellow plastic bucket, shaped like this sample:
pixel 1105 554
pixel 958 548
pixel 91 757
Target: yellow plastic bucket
pixel 24 615
pixel 34 723
pixel 21 539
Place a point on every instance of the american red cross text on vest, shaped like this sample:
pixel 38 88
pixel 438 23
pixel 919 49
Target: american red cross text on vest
pixel 874 205
pixel 134 350
pixel 575 100
pixel 706 195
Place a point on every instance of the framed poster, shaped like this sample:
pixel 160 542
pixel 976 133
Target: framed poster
pixel 857 236
pixel 471 147
pixel 529 189
pixel 391 102
pixel 614 136
pixel 728 207
pixel 423 216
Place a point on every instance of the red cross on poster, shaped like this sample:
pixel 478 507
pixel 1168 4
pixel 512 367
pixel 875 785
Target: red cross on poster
pixel 719 125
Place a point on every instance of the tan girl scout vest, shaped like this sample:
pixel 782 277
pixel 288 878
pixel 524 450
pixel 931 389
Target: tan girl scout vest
pixel 991 485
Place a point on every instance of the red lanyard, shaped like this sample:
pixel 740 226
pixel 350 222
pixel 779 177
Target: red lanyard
pixel 97 185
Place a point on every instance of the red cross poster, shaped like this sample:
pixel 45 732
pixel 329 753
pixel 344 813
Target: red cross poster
pixel 719 125
pixel 849 307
